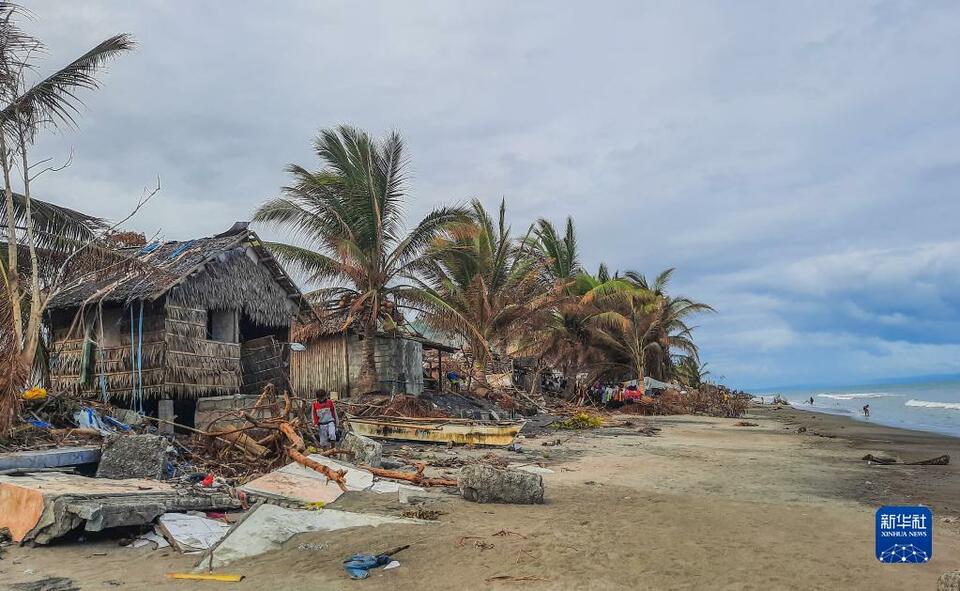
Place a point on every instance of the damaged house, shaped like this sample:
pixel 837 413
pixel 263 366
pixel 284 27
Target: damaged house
pixel 176 321
pixel 334 349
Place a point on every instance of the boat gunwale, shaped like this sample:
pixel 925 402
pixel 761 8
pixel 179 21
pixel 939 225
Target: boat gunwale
pixel 433 421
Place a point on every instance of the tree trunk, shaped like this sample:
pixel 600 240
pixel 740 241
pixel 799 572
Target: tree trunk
pixel 13 266
pixel 368 380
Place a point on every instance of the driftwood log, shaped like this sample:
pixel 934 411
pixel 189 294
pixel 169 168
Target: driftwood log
pixel 415 477
pixel 937 461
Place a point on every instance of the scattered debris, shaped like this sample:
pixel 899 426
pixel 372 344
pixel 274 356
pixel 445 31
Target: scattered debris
pixel 745 424
pixel 486 484
pixel 425 514
pixel 580 420
pixel 504 533
pixel 150 538
pixel 47 584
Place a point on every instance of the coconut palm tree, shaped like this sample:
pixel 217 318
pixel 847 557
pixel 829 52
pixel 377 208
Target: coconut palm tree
pixel 346 220
pixel 481 284
pixel 668 329
pixel 25 109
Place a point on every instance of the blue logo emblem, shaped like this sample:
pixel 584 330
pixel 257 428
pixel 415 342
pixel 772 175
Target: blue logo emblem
pixel 904 534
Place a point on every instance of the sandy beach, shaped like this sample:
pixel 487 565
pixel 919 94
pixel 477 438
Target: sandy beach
pixel 705 504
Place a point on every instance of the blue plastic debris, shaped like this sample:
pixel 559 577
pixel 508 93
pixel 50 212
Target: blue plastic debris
pixel 358 566
pixel 40 424
pixel 178 250
pixel 115 423
pixel 149 248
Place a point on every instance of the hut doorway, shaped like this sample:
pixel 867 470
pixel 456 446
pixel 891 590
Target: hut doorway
pixel 263 356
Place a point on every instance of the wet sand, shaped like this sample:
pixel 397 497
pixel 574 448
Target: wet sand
pixel 706 504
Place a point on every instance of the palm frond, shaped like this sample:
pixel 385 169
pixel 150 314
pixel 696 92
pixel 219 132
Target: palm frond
pixel 54 98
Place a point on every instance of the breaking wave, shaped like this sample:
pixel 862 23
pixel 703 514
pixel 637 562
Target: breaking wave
pixel 855 396
pixel 931 404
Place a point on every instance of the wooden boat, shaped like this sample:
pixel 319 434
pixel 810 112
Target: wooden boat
pixel 463 431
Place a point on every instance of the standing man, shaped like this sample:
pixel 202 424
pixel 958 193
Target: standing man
pixel 325 418
pixel 866 410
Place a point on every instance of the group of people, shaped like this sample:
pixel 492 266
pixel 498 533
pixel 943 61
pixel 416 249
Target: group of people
pixel 616 394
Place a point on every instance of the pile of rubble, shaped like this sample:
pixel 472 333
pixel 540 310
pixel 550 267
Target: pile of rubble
pixel 241 485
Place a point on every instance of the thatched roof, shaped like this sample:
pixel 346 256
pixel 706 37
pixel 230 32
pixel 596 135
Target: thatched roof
pixel 218 269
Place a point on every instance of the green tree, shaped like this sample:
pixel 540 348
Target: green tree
pixel 347 223
pixel 480 284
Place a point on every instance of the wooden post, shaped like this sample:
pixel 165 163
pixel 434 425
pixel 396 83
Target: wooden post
pixel 165 413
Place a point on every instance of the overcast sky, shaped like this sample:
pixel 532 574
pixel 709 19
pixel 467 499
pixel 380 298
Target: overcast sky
pixel 798 162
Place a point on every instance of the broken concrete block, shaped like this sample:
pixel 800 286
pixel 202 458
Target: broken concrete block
pixel 133 456
pixel 41 507
pixel 364 450
pixel 949 581
pixel 191 533
pixel 482 483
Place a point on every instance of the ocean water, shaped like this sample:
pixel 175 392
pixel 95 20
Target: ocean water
pixel 926 406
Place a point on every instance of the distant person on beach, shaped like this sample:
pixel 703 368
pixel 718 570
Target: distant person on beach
pixel 866 410
pixel 811 401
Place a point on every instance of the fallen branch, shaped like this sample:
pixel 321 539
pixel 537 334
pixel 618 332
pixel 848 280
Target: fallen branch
pixel 416 478
pixel 292 436
pixel 337 476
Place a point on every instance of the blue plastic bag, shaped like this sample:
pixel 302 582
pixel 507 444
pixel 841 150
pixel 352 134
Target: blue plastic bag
pixel 358 566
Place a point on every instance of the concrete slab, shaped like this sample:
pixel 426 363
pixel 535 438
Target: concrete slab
pixel 41 507
pixel 269 526
pixel 50 458
pixel 191 533
pixel 296 484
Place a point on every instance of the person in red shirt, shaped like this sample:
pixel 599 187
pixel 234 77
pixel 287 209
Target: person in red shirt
pixel 325 418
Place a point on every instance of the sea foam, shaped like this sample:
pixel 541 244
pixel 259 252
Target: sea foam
pixel 933 404
pixel 855 396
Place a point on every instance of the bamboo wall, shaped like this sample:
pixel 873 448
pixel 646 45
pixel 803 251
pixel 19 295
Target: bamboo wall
pixel 113 362
pixel 322 365
pixel 195 366
pixel 333 363
pixel 177 360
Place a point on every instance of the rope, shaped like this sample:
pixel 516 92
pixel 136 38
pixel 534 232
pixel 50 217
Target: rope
pixel 140 360
pixel 133 363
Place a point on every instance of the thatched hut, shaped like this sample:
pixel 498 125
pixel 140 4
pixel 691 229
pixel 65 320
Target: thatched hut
pixel 177 321
pixel 334 349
